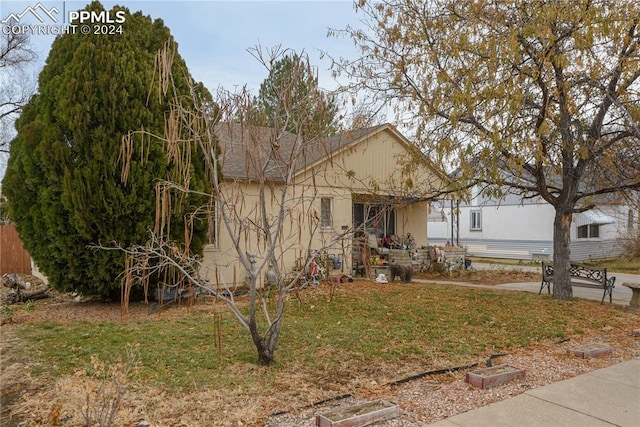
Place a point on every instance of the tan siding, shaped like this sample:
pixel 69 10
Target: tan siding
pixel 377 159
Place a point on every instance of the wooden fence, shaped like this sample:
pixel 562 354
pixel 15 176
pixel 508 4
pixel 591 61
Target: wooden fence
pixel 13 257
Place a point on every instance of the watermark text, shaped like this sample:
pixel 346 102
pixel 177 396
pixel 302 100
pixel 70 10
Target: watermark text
pixel 39 19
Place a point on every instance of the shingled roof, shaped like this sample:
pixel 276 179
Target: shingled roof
pixel 245 150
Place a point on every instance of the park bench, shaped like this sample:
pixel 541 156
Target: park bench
pixel 581 276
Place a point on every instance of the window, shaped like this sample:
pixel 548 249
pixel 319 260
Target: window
pixel 326 216
pixel 630 221
pixel 377 218
pixel 476 220
pixel 589 231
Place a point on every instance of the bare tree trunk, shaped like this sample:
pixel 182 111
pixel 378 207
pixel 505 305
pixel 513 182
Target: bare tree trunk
pixel 265 354
pixel 261 342
pixel 266 342
pixel 562 255
pixel 265 351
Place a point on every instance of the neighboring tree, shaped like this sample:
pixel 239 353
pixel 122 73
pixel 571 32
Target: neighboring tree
pixel 292 83
pixel 271 155
pixel 15 86
pixel 541 97
pixel 63 179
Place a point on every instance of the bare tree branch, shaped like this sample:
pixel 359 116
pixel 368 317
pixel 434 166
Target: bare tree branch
pixel 16 87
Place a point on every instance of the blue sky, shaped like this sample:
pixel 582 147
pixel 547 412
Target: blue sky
pixel 213 36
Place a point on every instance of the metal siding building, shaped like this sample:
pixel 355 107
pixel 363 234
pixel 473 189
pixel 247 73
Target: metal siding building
pixel 524 231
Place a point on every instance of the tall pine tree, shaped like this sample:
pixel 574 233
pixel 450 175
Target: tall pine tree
pixel 63 180
pixel 310 111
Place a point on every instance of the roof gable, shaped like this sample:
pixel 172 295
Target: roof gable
pixel 246 150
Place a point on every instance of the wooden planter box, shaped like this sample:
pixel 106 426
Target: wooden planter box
pixel 494 376
pixel 592 350
pixel 358 415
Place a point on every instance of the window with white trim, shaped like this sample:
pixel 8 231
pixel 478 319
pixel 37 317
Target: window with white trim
pixel 326 214
pixel 589 231
pixel 476 220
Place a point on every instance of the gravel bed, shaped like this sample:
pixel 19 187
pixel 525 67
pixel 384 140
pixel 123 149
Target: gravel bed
pixel 436 397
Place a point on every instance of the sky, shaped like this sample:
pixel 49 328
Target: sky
pixel 214 36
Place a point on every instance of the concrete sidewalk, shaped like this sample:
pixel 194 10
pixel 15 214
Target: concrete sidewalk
pixel 605 397
pixel 621 294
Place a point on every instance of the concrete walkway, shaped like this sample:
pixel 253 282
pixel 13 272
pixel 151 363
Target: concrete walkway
pixel 621 294
pixel 605 397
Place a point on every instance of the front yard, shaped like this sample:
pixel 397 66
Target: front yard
pixel 195 366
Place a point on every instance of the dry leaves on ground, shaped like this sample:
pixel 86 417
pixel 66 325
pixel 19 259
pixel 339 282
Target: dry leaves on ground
pixel 421 401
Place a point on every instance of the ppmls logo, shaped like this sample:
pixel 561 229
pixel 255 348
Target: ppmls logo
pixel 40 12
pixel 78 22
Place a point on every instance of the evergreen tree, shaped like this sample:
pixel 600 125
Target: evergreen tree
pixel 292 77
pixel 63 179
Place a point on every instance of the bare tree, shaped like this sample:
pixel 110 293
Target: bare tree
pixel 260 226
pixel 16 87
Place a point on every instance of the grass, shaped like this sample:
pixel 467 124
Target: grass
pixel 197 366
pixel 370 331
pixel 621 265
pixel 505 261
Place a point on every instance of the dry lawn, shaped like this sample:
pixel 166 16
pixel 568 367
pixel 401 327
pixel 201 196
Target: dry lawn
pixel 33 397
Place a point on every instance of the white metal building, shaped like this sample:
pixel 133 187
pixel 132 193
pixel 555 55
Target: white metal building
pixel 523 229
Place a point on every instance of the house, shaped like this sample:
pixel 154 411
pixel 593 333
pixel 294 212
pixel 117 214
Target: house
pixel 516 228
pixel 335 191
